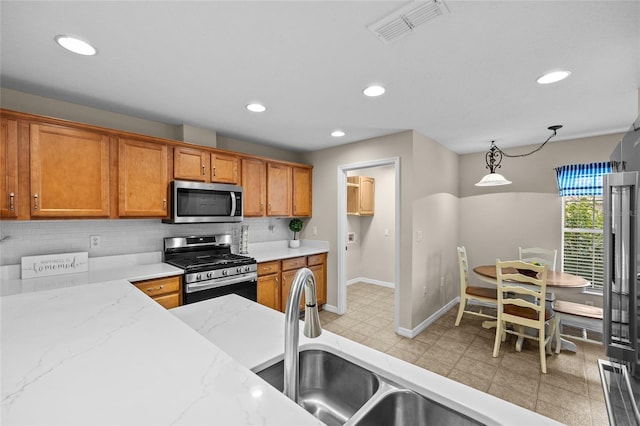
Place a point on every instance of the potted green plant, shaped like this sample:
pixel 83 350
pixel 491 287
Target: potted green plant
pixel 295 225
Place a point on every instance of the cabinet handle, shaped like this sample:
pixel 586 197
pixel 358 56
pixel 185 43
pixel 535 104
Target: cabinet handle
pixel 11 203
pixel 35 201
pixel 154 289
pixel 261 207
pixel 203 170
pixel 214 171
pixel 164 204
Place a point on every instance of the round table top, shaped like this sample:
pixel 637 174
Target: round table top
pixel 554 278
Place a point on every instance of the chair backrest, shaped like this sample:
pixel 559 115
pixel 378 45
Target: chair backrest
pixel 464 268
pixel 525 291
pixel 540 255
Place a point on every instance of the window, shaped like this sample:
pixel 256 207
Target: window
pixel 583 246
pixel 580 185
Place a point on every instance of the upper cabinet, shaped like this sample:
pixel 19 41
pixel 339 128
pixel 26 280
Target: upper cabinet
pixel 9 166
pixel 254 183
pixel 205 166
pixel 143 178
pixel 278 189
pixel 190 164
pixel 302 191
pixel 360 195
pixel 69 171
pixel 225 168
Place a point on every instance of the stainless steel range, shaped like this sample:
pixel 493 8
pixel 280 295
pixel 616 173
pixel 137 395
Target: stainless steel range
pixel 210 269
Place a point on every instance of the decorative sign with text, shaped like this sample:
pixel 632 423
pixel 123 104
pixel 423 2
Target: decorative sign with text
pixel 54 264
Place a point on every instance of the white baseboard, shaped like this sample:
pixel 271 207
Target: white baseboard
pixel 370 281
pixel 411 333
pixel 330 308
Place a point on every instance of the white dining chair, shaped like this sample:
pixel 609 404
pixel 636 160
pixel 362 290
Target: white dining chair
pixel 540 255
pixel 485 295
pixel 525 307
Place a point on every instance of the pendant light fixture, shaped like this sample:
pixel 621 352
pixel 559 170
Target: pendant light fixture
pixel 493 158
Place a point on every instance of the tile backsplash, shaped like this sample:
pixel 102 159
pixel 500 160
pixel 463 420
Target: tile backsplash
pixel 30 238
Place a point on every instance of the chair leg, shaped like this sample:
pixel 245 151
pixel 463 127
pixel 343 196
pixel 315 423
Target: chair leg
pixel 499 338
pixel 543 355
pixel 558 331
pixel 463 303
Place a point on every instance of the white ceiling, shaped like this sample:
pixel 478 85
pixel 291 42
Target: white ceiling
pixel 463 79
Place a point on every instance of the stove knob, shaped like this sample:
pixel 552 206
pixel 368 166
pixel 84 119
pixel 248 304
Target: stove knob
pixel 198 277
pixel 225 272
pixel 239 270
pixel 209 275
pixel 247 268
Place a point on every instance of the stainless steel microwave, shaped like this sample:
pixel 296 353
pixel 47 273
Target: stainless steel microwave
pixel 198 202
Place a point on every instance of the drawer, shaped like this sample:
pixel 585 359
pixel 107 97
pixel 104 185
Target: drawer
pixel 317 259
pixel 267 268
pixel 294 263
pixel 168 300
pixel 159 286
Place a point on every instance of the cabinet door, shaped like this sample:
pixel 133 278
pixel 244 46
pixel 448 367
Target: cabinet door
pixel 9 166
pixel 69 172
pixel 142 178
pixel 278 189
pixel 301 191
pixel 224 168
pixel 254 178
pixel 269 291
pixel 320 274
pixel 367 195
pixel 287 280
pixel 190 164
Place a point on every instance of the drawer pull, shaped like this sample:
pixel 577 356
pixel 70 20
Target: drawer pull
pixel 154 289
pixel 35 201
pixel 11 201
pixel 203 171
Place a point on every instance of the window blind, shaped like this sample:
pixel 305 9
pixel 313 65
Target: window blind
pixel 581 179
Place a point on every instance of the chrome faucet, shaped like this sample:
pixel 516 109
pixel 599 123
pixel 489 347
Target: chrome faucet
pixel 304 278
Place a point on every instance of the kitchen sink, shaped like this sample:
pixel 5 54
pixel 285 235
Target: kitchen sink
pixel 405 407
pixel 331 388
pixel 340 392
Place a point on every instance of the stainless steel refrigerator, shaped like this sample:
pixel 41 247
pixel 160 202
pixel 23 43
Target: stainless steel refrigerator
pixel 621 323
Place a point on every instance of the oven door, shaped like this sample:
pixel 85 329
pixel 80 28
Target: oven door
pixel 245 285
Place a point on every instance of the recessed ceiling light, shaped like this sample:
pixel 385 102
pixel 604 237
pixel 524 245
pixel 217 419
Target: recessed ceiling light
pixel 553 76
pixel 256 108
pixel 338 133
pixel 75 45
pixel 374 91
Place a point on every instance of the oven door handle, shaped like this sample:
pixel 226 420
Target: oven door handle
pixel 206 285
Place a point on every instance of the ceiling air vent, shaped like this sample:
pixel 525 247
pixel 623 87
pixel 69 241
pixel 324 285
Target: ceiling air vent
pixel 404 20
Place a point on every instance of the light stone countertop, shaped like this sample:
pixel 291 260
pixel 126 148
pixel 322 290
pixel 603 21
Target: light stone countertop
pixel 108 354
pixel 274 250
pixel 254 336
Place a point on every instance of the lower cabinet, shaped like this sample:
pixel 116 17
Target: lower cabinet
pixel 166 291
pixel 276 277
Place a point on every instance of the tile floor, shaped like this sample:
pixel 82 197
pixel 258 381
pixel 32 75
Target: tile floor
pixel 570 392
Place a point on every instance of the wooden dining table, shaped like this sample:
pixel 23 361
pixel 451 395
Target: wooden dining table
pixel 555 279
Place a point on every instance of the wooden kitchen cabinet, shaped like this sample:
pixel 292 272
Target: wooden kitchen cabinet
pixel 301 191
pixel 225 168
pixel 317 263
pixel 190 164
pixel 360 195
pixel 269 284
pixel 254 183
pixel 143 178
pixel 166 291
pixel 69 170
pixel 278 189
pixel 9 166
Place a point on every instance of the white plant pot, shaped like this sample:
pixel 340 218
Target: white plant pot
pixel 294 243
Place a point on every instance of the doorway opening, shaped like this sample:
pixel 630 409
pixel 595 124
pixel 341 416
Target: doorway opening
pixel 343 236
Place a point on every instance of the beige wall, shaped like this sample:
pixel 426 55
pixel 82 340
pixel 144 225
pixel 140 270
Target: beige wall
pixel 245 147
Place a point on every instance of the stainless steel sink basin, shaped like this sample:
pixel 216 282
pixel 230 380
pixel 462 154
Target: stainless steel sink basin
pixel 331 388
pixel 404 407
pixel 339 392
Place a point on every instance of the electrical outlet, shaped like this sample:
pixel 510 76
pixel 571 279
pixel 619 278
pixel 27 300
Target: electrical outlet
pixel 419 236
pixel 315 231
pixel 94 241
pixel 588 303
pixel 424 290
